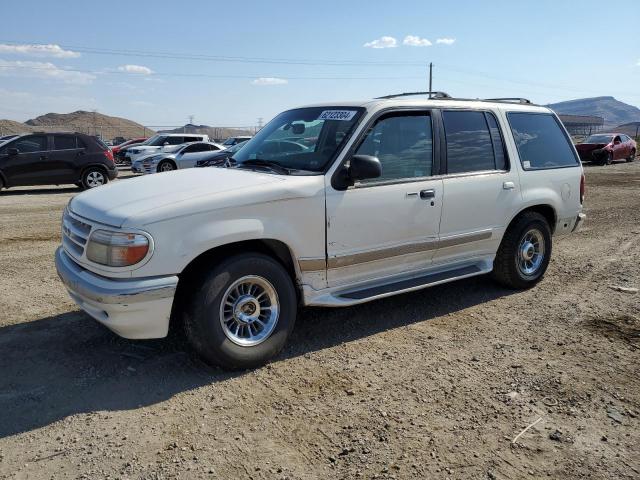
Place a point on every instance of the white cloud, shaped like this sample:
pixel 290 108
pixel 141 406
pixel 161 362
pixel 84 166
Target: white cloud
pixel 382 42
pixel 139 69
pixel 269 81
pixel 446 41
pixel 46 70
pixel 49 50
pixel 638 64
pixel 415 41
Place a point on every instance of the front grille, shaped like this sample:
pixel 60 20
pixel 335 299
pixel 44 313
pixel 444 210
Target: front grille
pixel 75 234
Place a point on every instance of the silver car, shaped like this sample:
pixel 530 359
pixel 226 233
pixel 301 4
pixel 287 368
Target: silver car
pixel 184 157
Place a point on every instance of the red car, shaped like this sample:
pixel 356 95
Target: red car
pixel 604 148
pixel 115 149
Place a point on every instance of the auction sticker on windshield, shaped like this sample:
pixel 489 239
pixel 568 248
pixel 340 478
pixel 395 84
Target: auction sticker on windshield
pixel 344 115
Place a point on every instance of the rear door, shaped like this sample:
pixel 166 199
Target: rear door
pixel 64 158
pixel 29 166
pixel 481 190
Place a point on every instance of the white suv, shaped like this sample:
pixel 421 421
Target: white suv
pixel 387 196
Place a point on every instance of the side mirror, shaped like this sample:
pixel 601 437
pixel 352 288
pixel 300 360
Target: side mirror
pixel 364 166
pixel 165 144
pixel 13 151
pixel 360 167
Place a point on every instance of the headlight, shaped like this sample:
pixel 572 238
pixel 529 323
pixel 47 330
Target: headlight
pixel 116 249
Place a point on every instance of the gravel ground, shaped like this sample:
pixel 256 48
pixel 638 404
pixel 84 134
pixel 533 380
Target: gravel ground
pixel 433 384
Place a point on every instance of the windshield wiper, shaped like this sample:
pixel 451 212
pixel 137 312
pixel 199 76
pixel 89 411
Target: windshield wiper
pixel 259 162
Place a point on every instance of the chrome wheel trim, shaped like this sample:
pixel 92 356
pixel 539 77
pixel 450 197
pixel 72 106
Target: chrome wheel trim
pixel 166 167
pixel 95 179
pixel 249 311
pixel 531 251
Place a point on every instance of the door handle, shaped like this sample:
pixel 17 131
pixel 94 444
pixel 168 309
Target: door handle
pixel 43 157
pixel 508 186
pixel 425 194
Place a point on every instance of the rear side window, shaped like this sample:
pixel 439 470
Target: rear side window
pixel 174 140
pixel 474 143
pixel 541 141
pixel 64 142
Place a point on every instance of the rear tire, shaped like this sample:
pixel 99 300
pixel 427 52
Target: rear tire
pixel 632 156
pixel 241 313
pixel 94 177
pixel 524 253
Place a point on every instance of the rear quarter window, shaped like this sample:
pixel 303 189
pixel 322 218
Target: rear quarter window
pixel 541 141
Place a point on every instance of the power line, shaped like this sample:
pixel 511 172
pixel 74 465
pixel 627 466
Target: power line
pixel 224 58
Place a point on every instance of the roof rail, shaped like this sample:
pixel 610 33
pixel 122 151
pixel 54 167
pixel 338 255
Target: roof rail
pixel 437 95
pixel 508 100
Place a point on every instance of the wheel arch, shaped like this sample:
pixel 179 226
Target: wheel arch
pixel 84 169
pixel 273 248
pixel 544 209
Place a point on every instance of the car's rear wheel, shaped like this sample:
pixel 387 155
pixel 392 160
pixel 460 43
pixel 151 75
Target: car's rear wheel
pixel 632 156
pixel 94 177
pixel 524 253
pixel 241 313
pixel 166 166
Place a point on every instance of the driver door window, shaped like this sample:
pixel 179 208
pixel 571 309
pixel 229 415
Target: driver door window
pixel 31 144
pixel 404 145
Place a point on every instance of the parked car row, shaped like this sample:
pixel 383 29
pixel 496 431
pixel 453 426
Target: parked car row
pixel 173 158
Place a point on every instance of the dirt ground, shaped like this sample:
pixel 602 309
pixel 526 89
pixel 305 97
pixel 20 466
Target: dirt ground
pixel 433 384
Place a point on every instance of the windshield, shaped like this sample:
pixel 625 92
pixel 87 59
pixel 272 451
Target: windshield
pixel 155 141
pixel 302 139
pixel 236 147
pixel 599 139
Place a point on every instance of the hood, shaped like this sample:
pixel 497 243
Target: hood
pixel 589 147
pixel 154 197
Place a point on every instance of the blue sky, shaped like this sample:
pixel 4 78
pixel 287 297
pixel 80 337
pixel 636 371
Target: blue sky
pixel 288 53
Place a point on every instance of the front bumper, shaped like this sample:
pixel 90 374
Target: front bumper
pixel 579 222
pixel 132 308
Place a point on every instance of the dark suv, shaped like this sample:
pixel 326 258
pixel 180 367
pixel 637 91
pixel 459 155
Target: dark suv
pixel 55 159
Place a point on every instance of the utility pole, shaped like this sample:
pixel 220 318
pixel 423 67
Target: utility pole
pixel 430 78
pixel 191 117
pixel 260 120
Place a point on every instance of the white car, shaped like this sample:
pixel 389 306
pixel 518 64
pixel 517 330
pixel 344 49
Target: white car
pixel 184 156
pixel 168 142
pixel 391 195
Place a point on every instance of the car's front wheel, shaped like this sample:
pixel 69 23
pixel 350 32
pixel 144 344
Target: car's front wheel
pixel 632 156
pixel 166 166
pixel 94 177
pixel 241 313
pixel 524 253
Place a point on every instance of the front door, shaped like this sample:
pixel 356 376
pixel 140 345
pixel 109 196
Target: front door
pixel 29 166
pixel 387 225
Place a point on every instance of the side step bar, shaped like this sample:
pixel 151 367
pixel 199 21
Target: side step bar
pixel 412 283
pixel 366 293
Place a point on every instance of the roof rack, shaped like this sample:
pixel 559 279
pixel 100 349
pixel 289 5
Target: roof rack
pixel 409 94
pixel 509 100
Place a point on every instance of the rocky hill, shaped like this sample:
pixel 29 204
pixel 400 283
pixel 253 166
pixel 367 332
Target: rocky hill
pixel 613 111
pixel 92 123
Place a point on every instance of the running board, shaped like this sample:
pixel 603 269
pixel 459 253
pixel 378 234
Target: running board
pixel 366 294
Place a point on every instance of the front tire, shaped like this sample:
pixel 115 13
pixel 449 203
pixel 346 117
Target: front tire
pixel 524 253
pixel 242 312
pixel 166 166
pixel 94 177
pixel 632 156
pixel 608 160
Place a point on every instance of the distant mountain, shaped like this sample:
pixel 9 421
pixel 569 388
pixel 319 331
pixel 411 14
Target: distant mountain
pixel 218 133
pixel 613 111
pixel 92 123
